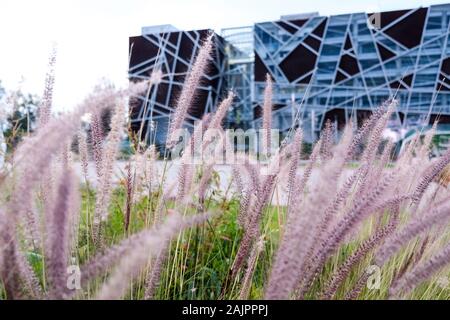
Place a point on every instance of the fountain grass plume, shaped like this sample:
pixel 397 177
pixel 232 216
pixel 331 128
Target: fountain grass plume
pixel 417 226
pixel 189 88
pixel 136 259
pixel 220 113
pixel 421 272
pixel 58 234
pixel 45 107
pixel 345 268
pixel 108 160
pixel 97 142
pixel 253 222
pixel 294 162
pixel 327 140
pixel 84 154
pixel 298 241
pixel 154 276
pixel 250 270
pixel 267 115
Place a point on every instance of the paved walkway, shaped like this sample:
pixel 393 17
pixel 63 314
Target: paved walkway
pixel 224 172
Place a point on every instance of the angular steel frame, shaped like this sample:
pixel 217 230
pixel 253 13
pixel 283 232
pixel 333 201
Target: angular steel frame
pixel 359 91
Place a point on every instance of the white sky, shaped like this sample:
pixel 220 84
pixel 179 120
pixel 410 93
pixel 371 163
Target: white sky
pixel 92 35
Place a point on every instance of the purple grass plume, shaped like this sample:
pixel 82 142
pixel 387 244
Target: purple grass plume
pixel 189 88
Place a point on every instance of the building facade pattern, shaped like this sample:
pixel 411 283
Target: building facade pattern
pixel 345 66
pixel 171 54
pixel 339 68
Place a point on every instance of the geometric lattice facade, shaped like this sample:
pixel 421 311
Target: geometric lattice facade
pixel 338 67
pixel 172 54
pixel 347 65
pixel 239 74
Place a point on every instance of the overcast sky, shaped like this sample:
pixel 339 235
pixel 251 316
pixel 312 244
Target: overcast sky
pixel 92 35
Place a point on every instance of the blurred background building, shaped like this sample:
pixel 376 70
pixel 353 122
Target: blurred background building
pixel 338 68
pixel 166 55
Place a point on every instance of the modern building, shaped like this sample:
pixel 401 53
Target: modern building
pixel 345 66
pixel 165 53
pixel 239 74
pixel 339 67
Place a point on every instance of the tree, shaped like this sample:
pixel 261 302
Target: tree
pixel 18 118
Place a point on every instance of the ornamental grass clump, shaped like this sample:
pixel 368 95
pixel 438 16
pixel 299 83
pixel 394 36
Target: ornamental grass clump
pixel 352 219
